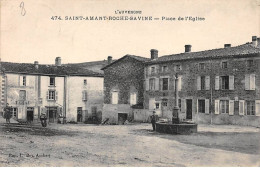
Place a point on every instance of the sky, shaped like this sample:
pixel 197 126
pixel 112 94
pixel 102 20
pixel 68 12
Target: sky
pixel 36 37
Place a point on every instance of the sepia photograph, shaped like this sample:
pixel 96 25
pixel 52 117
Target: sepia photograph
pixel 129 83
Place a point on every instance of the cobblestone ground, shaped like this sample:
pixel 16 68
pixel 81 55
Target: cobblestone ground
pixel 127 145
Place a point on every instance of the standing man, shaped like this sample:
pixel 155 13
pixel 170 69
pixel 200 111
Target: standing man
pixel 7 113
pixel 153 120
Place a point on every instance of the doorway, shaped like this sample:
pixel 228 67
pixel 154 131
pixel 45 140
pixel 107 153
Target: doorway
pixel 188 108
pixel 79 114
pixel 122 117
pixel 29 114
pixel 52 114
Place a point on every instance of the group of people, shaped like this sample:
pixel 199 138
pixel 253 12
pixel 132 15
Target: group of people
pixel 8 115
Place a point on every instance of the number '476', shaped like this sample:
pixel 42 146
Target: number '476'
pixel 56 18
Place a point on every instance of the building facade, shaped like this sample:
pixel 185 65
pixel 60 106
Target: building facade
pixel 58 91
pixel 123 88
pixel 219 86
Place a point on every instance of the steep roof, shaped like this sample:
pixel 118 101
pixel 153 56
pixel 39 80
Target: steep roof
pixel 138 58
pixel 240 50
pixel 27 68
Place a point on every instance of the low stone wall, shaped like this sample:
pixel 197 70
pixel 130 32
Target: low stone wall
pixel 183 128
pixel 225 119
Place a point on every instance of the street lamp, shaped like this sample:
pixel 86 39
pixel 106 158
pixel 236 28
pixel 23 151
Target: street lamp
pixel 175 112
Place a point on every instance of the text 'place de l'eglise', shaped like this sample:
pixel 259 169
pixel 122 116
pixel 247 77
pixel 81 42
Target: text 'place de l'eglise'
pixel 219 86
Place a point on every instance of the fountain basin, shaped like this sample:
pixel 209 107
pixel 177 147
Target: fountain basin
pixel 181 128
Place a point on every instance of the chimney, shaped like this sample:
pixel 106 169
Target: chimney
pixel 58 61
pixel 154 54
pixel 227 45
pixel 187 48
pixel 36 64
pixel 254 40
pixel 258 42
pixel 109 59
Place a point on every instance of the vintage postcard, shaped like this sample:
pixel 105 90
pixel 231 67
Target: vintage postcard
pixel 130 83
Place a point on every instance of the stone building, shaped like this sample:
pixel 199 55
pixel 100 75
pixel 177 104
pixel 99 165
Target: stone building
pixel 32 89
pixel 221 86
pixel 123 88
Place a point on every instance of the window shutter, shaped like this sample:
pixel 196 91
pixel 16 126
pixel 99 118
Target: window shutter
pixel 257 107
pixel 197 106
pixel 83 95
pixel 247 82
pixel 56 95
pixel 170 84
pixel 156 83
pixel 207 106
pixel 231 82
pixel 27 81
pixel 216 107
pixel 151 103
pixel 231 107
pixel 135 98
pixel 183 105
pixel 179 83
pixel 47 95
pixel 217 83
pixel 161 83
pixel 21 80
pixel 147 84
pixel 198 83
pixel 207 81
pixel 252 82
pixel 241 107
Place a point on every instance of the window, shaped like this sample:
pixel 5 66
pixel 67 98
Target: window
pixel 165 102
pixel 202 82
pixel 51 95
pixel 165 84
pixel 85 82
pixel 250 107
pixel 224 106
pixel 249 63
pixel 201 106
pixel 114 97
pixel 224 82
pixel 152 84
pixel 94 110
pixel 22 95
pixel 164 69
pixel 178 67
pixel 132 98
pixel 201 66
pixel 157 105
pixel 84 95
pixel 250 82
pixel 152 70
pixel 52 81
pixel 22 80
pixel 14 112
pixel 224 64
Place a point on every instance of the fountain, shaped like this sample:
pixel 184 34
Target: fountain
pixel 176 126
